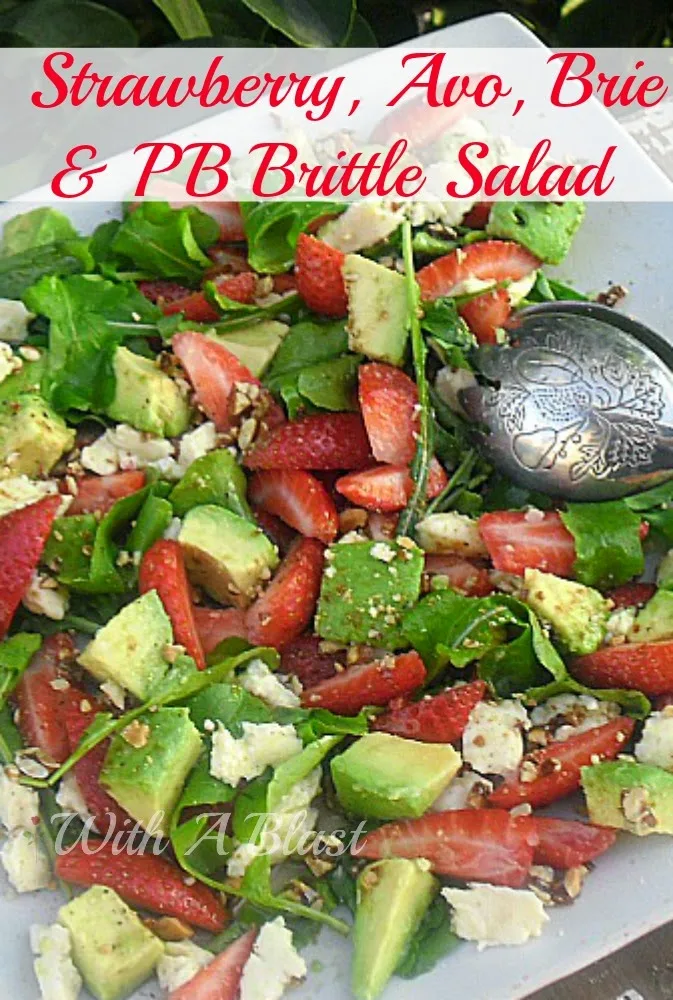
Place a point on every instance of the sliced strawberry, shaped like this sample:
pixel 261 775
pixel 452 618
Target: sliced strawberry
pixel 214 625
pixel 418 122
pixel 478 215
pixel 559 765
pixel 226 260
pixel 143 879
pixel 78 714
pixel 516 542
pixel 162 292
pixel 642 666
pixel 389 403
pixel 221 978
pixel 319 280
pixel 214 372
pixel 387 488
pixel 440 719
pixel 304 658
pixel 488 260
pixel 283 283
pixel 382 527
pixel 299 499
pixel 280 533
pixel 287 605
pixel 486 314
pixel 464 576
pixel 195 308
pixel 239 288
pixel 483 845
pixel 564 843
pixel 318 441
pixel 373 683
pixel 23 535
pixel 228 216
pixel 97 494
pixel 163 569
pixel 631 595
pixel 41 705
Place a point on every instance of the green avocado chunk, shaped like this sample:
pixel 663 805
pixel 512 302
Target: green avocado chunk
pixel 32 437
pixel 147 398
pixel 546 229
pixel 366 588
pixel 377 310
pixel 111 946
pixel 578 614
pixel 629 796
pixel 254 345
pixel 655 621
pixel 227 555
pixel 388 777
pixel 215 478
pixel 148 763
pixel 130 649
pixel 392 897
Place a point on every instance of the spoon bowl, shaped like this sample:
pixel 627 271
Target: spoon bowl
pixel 579 405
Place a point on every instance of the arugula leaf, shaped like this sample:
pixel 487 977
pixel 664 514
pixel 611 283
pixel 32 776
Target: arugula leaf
pixel 432 246
pixel 167 242
pixel 256 887
pixel 272 230
pixel 15 656
pixel 10 739
pixel 21 270
pixel 305 344
pixel 229 704
pixel 656 507
pixel 312 369
pixel 287 774
pixel 432 940
pixel 548 289
pixel 206 850
pixel 607 542
pixel 450 336
pixel 89 318
pixel 313 723
pixel 34 229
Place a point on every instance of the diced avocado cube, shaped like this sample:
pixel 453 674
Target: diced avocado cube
pixel 111 946
pixel 366 588
pixel 578 614
pixel 32 437
pixel 227 555
pixel 147 398
pixel 147 765
pixel 254 345
pixel 392 897
pixel 215 478
pixel 655 620
pixel 545 228
pixel 629 796
pixel 377 310
pixel 130 649
pixel 388 777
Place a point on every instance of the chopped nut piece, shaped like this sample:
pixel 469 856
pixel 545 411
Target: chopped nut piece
pixel 169 928
pixel 636 807
pixel 528 771
pixel 352 519
pixel 574 880
pixel 136 734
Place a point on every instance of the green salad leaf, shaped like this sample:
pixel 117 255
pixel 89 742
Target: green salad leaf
pixel 200 840
pixel 272 230
pixel 607 542
pixel 19 271
pixel 312 369
pixel 15 656
pixel 166 242
pixel 432 940
pixel 35 229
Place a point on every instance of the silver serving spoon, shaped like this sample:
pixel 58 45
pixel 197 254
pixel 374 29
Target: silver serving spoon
pixel 580 406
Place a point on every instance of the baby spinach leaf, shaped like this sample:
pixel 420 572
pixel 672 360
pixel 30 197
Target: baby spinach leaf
pixel 331 385
pixel 312 369
pixel 291 771
pixel 229 704
pixel 15 656
pixel 432 246
pixel 206 849
pixel 34 229
pixel 607 542
pixel 167 242
pixel 308 343
pixel 256 887
pixel 449 334
pixel 432 940
pixel 272 229
pixel 19 271
pixel 154 517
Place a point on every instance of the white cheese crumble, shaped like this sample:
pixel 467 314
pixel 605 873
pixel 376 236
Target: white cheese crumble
pixel 53 964
pixel 180 962
pixel 20 491
pixel 572 714
pixel 450 532
pixel 493 915
pixel 263 744
pixel 274 963
pixel 656 743
pixel 241 857
pixel 451 381
pixel 172 532
pixel 115 692
pixel 25 861
pixel 383 552
pixel 262 682
pixel 19 805
pixel 69 797
pixel 619 624
pixel 362 225
pixel 459 792
pixel 123 447
pixel 493 740
pixel 192 445
pixel 44 597
pixel 14 320
pixel 9 363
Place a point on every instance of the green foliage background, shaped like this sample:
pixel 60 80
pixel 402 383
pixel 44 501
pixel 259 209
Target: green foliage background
pixel 595 23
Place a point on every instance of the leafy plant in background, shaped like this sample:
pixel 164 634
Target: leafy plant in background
pixel 319 22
